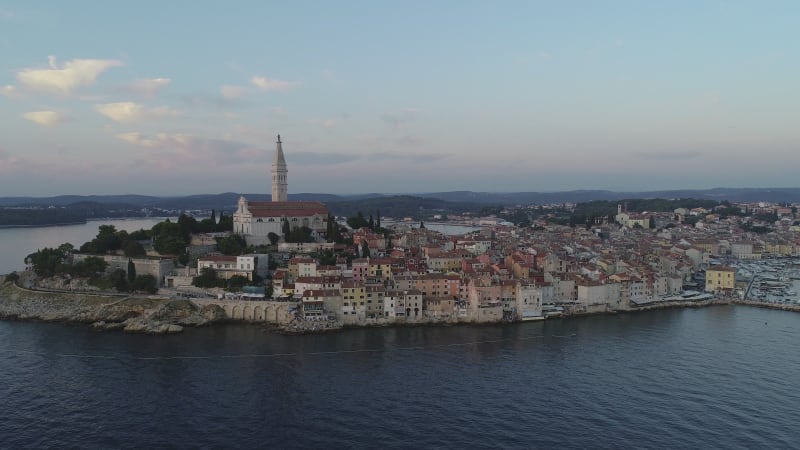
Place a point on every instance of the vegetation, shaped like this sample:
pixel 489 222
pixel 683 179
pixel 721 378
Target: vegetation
pixel 233 245
pixel 586 213
pixel 358 221
pixel 13 277
pixel 11 217
pixel 208 279
pixel 145 283
pixel 299 234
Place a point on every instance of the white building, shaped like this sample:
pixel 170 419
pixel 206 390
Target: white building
pixel 256 220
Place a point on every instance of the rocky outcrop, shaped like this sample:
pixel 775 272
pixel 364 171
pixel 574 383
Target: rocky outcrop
pixel 150 315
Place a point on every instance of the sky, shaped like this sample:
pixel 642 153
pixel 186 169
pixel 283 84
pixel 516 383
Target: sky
pixel 186 97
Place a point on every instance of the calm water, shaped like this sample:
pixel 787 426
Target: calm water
pixel 17 243
pixel 722 377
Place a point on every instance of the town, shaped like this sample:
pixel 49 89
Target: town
pixel 296 265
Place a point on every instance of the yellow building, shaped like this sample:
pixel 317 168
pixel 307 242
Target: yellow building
pixel 720 278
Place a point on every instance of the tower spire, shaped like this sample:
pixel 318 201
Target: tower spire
pixel 279 172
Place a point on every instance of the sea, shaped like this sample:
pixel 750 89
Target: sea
pixel 718 377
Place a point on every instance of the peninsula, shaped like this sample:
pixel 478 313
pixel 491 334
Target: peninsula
pixel 295 265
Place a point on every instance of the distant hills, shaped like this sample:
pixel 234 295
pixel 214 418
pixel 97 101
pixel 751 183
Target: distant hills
pixel 26 211
pixel 227 200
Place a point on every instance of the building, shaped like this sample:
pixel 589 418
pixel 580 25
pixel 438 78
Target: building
pixel 720 279
pixel 255 220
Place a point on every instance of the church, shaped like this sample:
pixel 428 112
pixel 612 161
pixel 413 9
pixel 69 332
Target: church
pixel 256 220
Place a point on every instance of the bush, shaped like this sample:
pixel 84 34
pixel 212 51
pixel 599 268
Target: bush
pixel 13 277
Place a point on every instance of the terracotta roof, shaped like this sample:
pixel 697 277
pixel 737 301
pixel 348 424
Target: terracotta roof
pixel 286 209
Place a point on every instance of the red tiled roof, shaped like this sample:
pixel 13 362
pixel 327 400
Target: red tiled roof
pixel 286 209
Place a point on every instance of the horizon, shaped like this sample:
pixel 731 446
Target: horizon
pixel 351 194
pixel 449 96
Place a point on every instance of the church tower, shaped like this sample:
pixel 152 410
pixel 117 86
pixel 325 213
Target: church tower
pixel 279 183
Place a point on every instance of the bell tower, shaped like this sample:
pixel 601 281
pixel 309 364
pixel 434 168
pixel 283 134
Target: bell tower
pixel 279 183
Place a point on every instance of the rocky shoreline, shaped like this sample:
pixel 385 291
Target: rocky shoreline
pixel 149 315
pixel 159 315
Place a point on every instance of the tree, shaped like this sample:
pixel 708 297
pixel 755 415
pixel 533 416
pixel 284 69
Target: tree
pixel 286 229
pixel 145 283
pixel 421 225
pixel 232 245
pixel 119 280
pixel 45 261
pixel 131 271
pixel 225 223
pixel 207 279
pixel 11 278
pixel 300 234
pixel 364 249
pixel 357 221
pixel 371 223
pixel 273 238
pixel 236 283
pixel 213 216
pixel 378 220
pixel 133 249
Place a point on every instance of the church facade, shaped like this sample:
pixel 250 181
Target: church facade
pixel 256 220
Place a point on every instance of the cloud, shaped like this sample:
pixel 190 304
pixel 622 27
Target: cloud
pixel 229 92
pixel 45 118
pixel 669 156
pixel 145 87
pixel 131 112
pixel 9 163
pixel 396 119
pixel 326 123
pixel 184 151
pixel 267 84
pixel 74 74
pixel 8 91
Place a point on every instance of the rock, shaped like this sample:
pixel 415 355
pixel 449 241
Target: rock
pixel 213 313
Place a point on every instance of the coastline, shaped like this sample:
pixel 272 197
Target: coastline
pixel 161 315
pixel 137 314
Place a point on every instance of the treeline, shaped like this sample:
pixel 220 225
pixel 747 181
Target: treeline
pixel 16 217
pixel 73 213
pixel 587 212
pixel 49 262
pixel 399 206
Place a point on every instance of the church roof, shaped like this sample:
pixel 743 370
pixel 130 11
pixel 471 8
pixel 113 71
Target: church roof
pixel 286 209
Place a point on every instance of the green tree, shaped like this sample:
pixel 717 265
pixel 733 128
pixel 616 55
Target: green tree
pixel 300 234
pixel 286 229
pixel 233 245
pixel 145 283
pixel 357 221
pixel 378 220
pixel 11 278
pixel 364 249
pixel 45 261
pixel 207 279
pixel 225 223
pixel 119 280
pixel 273 238
pixel 133 249
pixel 131 271
pixel 236 283
pixel 371 223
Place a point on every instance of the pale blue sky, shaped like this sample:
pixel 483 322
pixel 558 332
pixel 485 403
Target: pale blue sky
pixel 184 97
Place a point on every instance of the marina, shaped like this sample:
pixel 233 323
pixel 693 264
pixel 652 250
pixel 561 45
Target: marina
pixel 772 281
